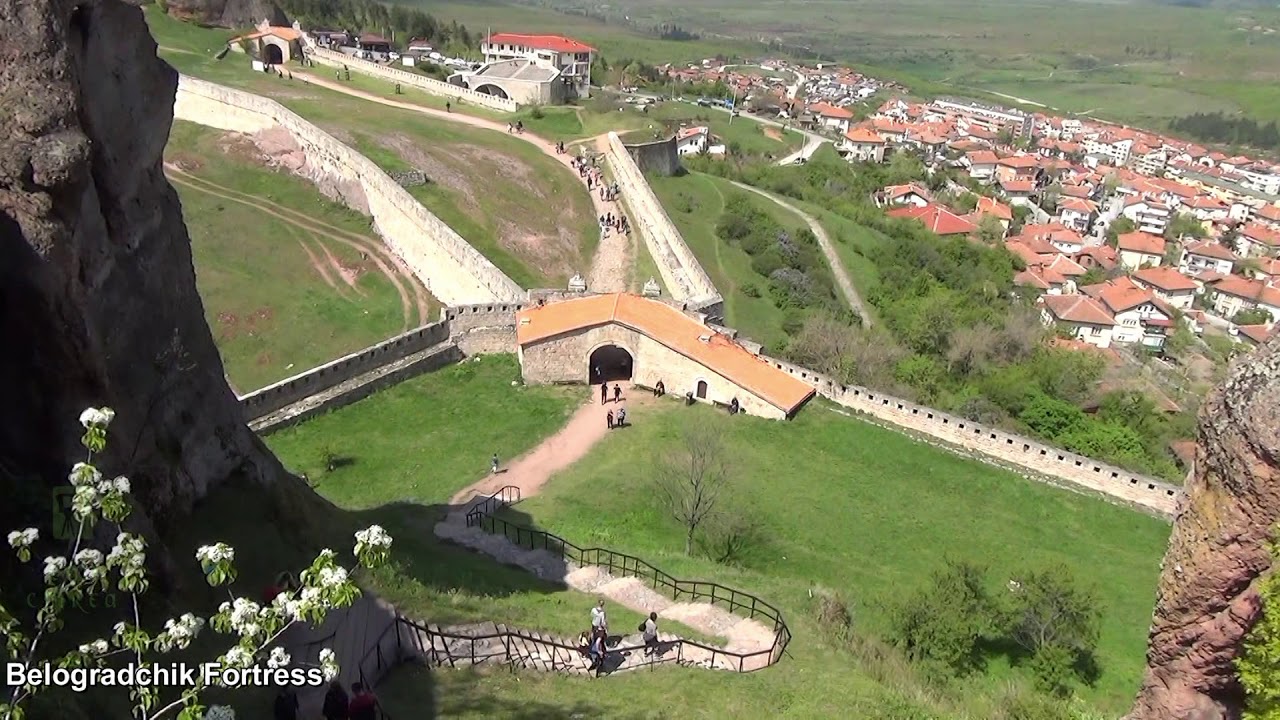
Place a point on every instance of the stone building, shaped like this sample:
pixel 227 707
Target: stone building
pixel 628 337
pixel 270 44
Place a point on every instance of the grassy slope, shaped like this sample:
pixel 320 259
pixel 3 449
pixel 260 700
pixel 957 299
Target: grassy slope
pixel 870 513
pixel 271 312
pixel 695 202
pixel 544 200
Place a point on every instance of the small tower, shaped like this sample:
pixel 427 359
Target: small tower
pixel 651 288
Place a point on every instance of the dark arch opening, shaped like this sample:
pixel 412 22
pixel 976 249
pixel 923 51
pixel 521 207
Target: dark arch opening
pixel 701 390
pixel 609 363
pixel 272 55
pixel 490 89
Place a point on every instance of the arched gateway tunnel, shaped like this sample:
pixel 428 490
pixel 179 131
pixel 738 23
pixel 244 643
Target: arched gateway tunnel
pixel 606 338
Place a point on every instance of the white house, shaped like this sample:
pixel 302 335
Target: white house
pixel 693 140
pixel 1136 311
pixel 1206 255
pixel 1077 213
pixel 1140 249
pixel 570 58
pixel 909 194
pixel 1149 215
pixel 1086 319
pixel 982 165
pixel 863 145
pixel 1257 240
pixel 1169 285
pixel 1234 293
pixel 832 117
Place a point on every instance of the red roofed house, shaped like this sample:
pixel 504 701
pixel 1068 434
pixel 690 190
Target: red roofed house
pixel 1063 238
pixel 1139 249
pixel 909 194
pixel 693 140
pixel 1206 256
pixel 862 144
pixel 1169 285
pixel 570 59
pixel 991 206
pixel 1139 315
pixel 270 44
pixel 1269 214
pixel 623 336
pixel 1258 240
pixel 1268 270
pixel 1255 335
pixel 830 116
pixel 1018 192
pixel 937 218
pixel 1077 213
pixel 1085 317
pixel 982 165
pixel 1233 293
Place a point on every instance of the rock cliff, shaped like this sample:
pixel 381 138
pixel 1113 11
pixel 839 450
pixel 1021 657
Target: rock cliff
pixel 228 13
pixel 1207 599
pixel 98 301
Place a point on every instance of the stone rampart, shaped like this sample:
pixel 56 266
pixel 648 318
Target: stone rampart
pixel 447 265
pixel 453 92
pixel 290 390
pixel 1032 455
pixel 658 157
pixel 485 328
pixel 682 275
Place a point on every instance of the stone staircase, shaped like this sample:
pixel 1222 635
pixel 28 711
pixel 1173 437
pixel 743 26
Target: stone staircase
pixel 358 387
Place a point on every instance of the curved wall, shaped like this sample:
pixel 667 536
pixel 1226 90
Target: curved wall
pixel 658 157
pixel 413 79
pixel 447 265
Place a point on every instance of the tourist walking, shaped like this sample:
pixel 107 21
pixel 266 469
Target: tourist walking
pixel 364 706
pixel 609 419
pixel 599 623
pixel 650 629
pixel 617 392
pixel 597 653
pixel 494 469
pixel 448 106
pixel 622 417
pixel 335 702
pixel 604 391
pixel 659 390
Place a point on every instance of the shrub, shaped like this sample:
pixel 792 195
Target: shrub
pixel 942 624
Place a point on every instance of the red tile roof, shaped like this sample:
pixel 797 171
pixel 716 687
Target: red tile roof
pixel 1211 249
pixel 831 111
pixel 1165 278
pixel 1078 309
pixel 1258 334
pixel 1066 267
pixel 937 218
pixel 1076 204
pixel 1269 266
pixel 1261 234
pixel 1249 289
pixel 983 157
pixel 557 43
pixel 1141 242
pixel 1118 295
pixel 672 328
pixel 1019 161
pixel 991 206
pixel 1269 212
pixel 864 136
pixel 896 191
pixel 1017 186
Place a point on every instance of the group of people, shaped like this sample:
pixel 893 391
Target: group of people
pixel 560 147
pixel 595 645
pixel 616 223
pixel 517 128
pixel 609 193
pixel 360 705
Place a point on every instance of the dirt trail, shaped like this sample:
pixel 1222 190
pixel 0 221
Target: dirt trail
pixel 609 267
pixel 320 266
pixel 828 249
pixel 382 258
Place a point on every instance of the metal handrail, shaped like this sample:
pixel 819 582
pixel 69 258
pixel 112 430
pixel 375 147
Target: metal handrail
pixel 481 515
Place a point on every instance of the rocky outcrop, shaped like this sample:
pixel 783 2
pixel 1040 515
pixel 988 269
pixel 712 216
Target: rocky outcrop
pixel 1208 598
pixel 98 301
pixel 228 13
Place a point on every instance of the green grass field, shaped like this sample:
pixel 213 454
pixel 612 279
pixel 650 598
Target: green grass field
pixel 867 512
pixel 695 202
pixel 523 210
pixel 278 266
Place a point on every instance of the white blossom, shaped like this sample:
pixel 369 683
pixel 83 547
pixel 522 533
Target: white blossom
pixel 288 606
pixel 88 558
pixel 374 536
pixel 84 474
pixel 97 647
pixel 278 659
pixel 333 577
pixel 121 484
pixel 53 565
pixel 215 553
pixel 328 665
pixel 180 632
pixel 238 657
pixel 220 712
pixel 23 538
pixel 119 628
pixel 244 616
pixel 85 500
pixel 97 417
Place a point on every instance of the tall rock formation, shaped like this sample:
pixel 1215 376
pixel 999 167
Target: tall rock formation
pixel 98 302
pixel 228 13
pixel 1208 597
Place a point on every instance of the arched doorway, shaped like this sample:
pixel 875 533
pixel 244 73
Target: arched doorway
pixel 701 390
pixel 609 363
pixel 271 54
pixel 491 89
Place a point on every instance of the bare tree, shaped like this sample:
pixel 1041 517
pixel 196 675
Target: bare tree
pixel 692 475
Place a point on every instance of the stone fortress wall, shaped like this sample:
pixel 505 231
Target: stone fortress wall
pixel 682 275
pixel 451 269
pixel 456 93
pixel 1034 456
pixel 658 157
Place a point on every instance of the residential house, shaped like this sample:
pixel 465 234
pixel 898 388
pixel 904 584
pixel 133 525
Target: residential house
pixel 832 117
pixel 1148 161
pixel 863 145
pixel 1085 318
pixel 1207 209
pixel 1149 215
pixel 1139 249
pixel 1138 313
pixel 1206 255
pixel 991 206
pixel 1061 238
pixel 1018 192
pixel 568 60
pixel 1077 213
pixel 1267 270
pixel 1097 256
pixel 1116 152
pixel 1169 285
pixel 909 194
pixel 937 219
pixel 1255 335
pixel 981 164
pixel 1017 167
pixel 1258 240
pixel 1234 293
pixel 692 140
pixel 893 133
pixel 1260 178
pixel 1268 215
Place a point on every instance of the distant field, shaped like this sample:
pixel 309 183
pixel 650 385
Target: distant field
pixel 289 279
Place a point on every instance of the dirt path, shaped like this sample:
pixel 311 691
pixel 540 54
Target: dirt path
pixel 385 261
pixel 828 249
pixel 609 267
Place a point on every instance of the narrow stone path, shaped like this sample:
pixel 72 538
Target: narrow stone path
pixel 608 272
pixel 530 473
pixel 828 249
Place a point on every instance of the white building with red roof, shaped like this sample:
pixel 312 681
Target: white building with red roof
pixel 564 61
pixel 1206 256
pixel 1169 285
pixel 832 117
pixel 1085 318
pixel 937 219
pixel 1140 249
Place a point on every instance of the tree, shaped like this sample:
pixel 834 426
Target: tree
pixel 1056 622
pixel 1259 662
pixel 943 623
pixel 84 576
pixel 1118 227
pixel 1184 225
pixel 990 230
pixel 692 475
pixel 1092 276
pixel 1255 316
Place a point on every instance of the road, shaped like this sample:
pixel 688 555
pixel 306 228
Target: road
pixel 828 249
